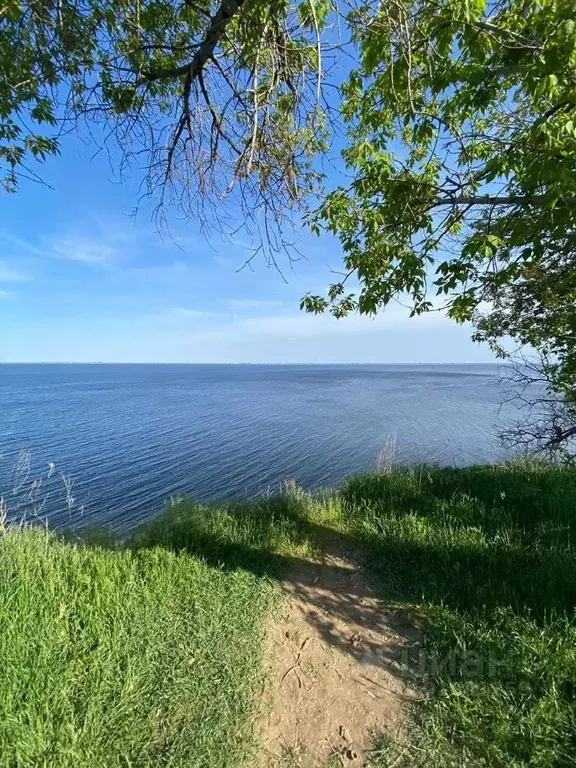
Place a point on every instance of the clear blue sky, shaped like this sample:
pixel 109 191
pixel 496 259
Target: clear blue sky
pixel 82 280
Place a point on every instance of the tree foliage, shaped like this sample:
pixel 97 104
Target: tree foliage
pixel 213 99
pixel 462 129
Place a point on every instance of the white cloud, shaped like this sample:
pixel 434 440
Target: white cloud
pixel 194 313
pixel 86 251
pixel 301 325
pixel 4 294
pixel 143 339
pixel 293 326
pixel 19 245
pixel 254 303
pixel 9 274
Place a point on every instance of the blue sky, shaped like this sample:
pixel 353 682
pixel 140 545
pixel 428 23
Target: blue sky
pixel 82 280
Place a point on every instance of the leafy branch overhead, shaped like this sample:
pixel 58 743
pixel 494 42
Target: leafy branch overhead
pixel 462 151
pixel 213 100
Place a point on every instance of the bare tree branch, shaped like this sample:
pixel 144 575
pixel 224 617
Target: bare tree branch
pixel 548 425
pixel 537 200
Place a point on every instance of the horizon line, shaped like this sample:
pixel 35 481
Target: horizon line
pixel 330 362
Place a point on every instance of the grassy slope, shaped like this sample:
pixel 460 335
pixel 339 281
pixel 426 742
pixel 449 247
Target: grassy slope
pixel 150 656
pixel 138 657
pixel 488 556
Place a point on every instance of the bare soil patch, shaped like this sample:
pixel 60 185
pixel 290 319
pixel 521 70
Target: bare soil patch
pixel 334 664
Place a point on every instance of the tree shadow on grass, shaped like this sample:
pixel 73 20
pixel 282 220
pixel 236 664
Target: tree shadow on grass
pixel 471 565
pixel 473 539
pixel 525 493
pixel 330 582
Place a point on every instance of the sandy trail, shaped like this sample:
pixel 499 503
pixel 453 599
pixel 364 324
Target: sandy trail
pixel 333 659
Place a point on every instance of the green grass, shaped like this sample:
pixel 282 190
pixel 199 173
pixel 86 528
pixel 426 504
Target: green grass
pixel 148 654
pixel 487 555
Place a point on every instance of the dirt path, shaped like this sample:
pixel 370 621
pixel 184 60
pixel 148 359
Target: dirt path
pixel 333 662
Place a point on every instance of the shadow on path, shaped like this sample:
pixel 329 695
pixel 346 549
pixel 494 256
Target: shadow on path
pixel 333 586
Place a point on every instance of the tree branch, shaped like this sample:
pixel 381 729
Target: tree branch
pixel 540 200
pixel 227 10
pixel 216 120
pixel 519 40
pixel 561 435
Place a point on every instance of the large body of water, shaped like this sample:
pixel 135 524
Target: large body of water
pixel 130 436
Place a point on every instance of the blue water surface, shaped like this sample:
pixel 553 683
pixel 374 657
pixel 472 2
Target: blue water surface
pixel 129 436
